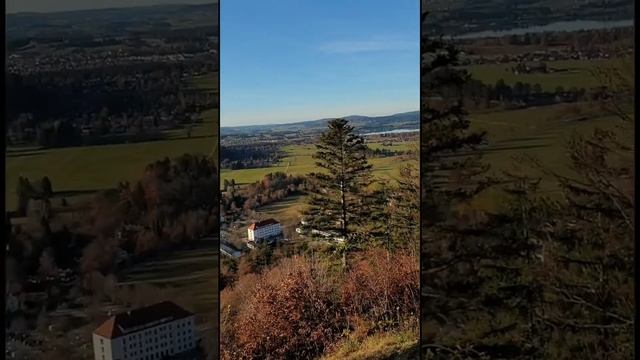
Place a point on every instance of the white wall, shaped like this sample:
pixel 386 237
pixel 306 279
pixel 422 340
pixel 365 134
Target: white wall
pixel 165 339
pixel 264 232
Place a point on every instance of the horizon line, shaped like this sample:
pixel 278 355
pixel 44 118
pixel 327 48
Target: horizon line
pixel 112 7
pixel 324 118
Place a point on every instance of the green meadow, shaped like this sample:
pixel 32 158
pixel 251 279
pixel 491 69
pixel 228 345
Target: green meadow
pixel 82 170
pixel 515 137
pixel 287 211
pixel 541 133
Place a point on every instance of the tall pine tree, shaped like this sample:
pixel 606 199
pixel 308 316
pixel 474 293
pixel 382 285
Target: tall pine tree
pixel 339 202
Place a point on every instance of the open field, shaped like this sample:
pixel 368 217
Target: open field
pixel 540 133
pixel 86 169
pixel 299 161
pixel 287 211
pixel 578 74
pixel 81 169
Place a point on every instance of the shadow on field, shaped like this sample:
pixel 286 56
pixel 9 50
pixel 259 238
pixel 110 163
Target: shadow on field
pixel 513 147
pixel 175 265
pixel 20 154
pixel 528 138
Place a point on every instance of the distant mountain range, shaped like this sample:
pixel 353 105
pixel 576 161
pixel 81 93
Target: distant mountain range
pixel 364 124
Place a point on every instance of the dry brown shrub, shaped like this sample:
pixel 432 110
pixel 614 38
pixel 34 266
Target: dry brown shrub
pixel 383 289
pixel 300 310
pixel 232 300
pixel 293 313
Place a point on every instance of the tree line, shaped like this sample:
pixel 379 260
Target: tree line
pixel 68 108
pixel 273 187
pixel 479 95
pixel 236 157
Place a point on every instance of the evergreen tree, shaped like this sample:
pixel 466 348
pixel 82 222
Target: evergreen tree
pixel 403 212
pixel 589 282
pixel 452 175
pixel 339 201
pixel 381 231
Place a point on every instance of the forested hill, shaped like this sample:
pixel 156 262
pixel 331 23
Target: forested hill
pixel 364 124
pixel 462 16
pixel 111 22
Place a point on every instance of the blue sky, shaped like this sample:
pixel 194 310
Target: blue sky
pixel 294 60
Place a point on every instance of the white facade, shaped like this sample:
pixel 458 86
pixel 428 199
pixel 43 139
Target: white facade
pixel 257 232
pixel 152 342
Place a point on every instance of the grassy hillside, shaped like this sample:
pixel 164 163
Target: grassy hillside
pixel 385 346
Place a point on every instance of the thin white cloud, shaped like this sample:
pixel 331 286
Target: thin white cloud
pixel 378 44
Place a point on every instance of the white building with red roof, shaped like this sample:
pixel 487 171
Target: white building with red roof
pixel 154 332
pixel 264 230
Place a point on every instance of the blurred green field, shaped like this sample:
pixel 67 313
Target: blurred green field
pixel 80 170
pixel 578 74
pixel 299 161
pixel 540 133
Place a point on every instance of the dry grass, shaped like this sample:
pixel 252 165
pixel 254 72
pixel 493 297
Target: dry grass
pixel 391 345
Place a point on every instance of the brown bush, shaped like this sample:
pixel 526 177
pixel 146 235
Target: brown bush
pixel 232 301
pixel 293 313
pixel 300 310
pixel 383 289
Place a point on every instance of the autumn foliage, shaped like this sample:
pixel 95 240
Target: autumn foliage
pixel 383 288
pixel 301 309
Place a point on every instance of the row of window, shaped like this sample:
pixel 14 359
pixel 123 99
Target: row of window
pixel 157 355
pixel 266 229
pixel 163 332
pixel 161 344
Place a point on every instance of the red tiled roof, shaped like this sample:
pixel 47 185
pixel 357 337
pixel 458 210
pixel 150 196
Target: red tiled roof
pixel 262 223
pixel 140 319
